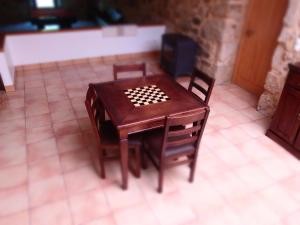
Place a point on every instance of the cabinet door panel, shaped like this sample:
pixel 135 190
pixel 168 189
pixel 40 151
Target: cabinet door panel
pixel 288 118
pixel 297 142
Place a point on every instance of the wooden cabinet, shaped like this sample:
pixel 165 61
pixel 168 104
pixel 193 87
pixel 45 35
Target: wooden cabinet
pixel 285 126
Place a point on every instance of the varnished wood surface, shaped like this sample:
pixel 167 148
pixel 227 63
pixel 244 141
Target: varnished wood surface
pixel 263 23
pixel 130 119
pixel 125 115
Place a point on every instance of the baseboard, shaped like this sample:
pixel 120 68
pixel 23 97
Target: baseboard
pixel 10 88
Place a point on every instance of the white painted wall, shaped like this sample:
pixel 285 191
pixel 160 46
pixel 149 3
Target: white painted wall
pixel 58 46
pixel 4 70
pixel 49 47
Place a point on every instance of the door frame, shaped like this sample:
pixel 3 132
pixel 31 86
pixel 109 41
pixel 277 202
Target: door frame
pixel 234 77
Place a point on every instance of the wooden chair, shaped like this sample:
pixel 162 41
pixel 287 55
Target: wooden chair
pixel 176 144
pixel 203 83
pixel 129 68
pixel 107 135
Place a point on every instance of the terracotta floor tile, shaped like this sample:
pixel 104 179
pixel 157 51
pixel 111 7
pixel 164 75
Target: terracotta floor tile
pixel 242 177
pixel 148 183
pixel 254 129
pixel 39 134
pixel 85 124
pixel 211 166
pixel 12 126
pixel 54 84
pixel 252 210
pixel 68 127
pixel 130 215
pixel 255 150
pixel 82 179
pixel 117 199
pixel 219 215
pixel 62 116
pixel 60 105
pixel 13 156
pixel 170 210
pixel 44 168
pixel 75 159
pixel 34 83
pixel 11 103
pixel 279 200
pixel 216 141
pixel 38 121
pixel 218 122
pixel 235 135
pixel 13 176
pixel 276 168
pixel 229 185
pixel 46 190
pixel 232 156
pixel 291 185
pixel 12 140
pixel 292 219
pixel 254 177
pixel 36 109
pixel 8 114
pixel 57 213
pixel 42 149
pixel 70 142
pixel 54 97
pixel 13 200
pixel 252 113
pixel 88 206
pixel 107 220
pixel 16 219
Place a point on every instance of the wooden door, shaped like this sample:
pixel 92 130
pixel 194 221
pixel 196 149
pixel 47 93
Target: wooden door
pixel 263 23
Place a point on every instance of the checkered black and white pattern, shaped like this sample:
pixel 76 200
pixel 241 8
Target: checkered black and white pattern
pixel 146 95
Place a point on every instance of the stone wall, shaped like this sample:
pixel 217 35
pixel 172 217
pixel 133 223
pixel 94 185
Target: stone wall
pixel 214 24
pixel 285 53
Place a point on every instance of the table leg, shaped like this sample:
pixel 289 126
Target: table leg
pixel 124 162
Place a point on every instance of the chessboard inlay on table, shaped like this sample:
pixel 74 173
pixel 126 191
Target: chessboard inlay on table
pixel 146 95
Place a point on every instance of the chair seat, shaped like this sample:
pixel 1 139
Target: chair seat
pixel 153 142
pixel 109 135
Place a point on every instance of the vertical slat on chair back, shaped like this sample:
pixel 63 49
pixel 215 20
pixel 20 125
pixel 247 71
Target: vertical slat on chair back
pixel 92 104
pixel 129 68
pixel 204 78
pixel 183 129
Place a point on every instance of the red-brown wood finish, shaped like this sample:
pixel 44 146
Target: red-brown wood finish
pixel 129 119
pixel 129 68
pixel 285 124
pixel 176 144
pixel 107 135
pixel 203 83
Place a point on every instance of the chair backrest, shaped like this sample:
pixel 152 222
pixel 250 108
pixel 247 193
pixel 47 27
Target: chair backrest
pixel 203 83
pixel 129 68
pixel 184 129
pixel 92 104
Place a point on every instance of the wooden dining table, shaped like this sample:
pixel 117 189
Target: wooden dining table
pixel 129 117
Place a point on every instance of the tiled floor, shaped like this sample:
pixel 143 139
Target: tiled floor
pixel 46 174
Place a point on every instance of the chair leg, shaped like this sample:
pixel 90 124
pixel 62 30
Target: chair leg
pixel 137 162
pixel 135 167
pixel 101 161
pixel 192 170
pixel 161 178
pixel 144 161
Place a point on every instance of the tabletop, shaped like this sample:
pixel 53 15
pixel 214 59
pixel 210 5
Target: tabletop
pixel 126 115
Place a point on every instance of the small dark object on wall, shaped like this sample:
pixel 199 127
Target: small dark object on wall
pixel 178 54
